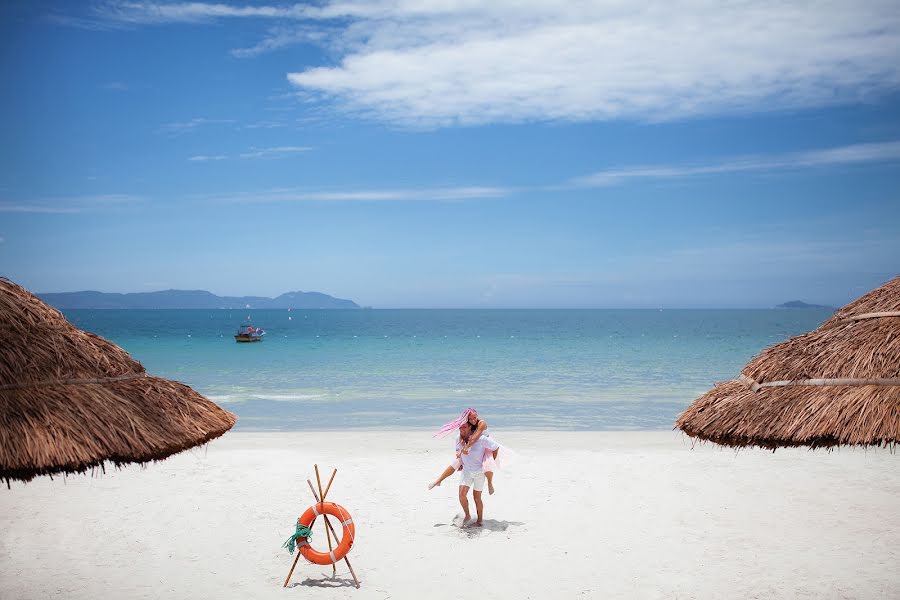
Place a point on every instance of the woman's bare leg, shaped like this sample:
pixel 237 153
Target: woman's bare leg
pixel 447 473
pixel 489 475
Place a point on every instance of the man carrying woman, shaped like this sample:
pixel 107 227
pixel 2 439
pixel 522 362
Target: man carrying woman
pixel 476 452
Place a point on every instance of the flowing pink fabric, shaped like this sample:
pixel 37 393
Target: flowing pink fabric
pixel 488 462
pixel 455 423
pixel 505 457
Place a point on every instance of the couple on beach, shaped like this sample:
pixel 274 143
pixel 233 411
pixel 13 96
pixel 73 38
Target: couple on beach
pixel 476 459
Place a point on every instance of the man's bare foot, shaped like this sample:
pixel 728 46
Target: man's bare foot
pixel 477 524
pixel 465 521
pixel 491 488
pixel 434 484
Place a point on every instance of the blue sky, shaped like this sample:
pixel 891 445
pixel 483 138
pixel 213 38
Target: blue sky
pixel 454 154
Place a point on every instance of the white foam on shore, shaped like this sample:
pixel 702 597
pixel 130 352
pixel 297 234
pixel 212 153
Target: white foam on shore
pixel 282 397
pixel 286 397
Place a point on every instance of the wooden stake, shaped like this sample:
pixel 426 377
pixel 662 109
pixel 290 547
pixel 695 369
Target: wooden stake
pixel 346 560
pixel 355 580
pixel 328 525
pixel 328 487
pixel 291 572
pixel 321 495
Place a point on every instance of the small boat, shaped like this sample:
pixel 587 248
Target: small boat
pixel 249 333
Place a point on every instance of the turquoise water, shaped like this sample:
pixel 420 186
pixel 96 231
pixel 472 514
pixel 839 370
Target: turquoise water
pixel 566 369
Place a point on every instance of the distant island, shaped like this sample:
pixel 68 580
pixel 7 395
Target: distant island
pixel 801 304
pixel 192 299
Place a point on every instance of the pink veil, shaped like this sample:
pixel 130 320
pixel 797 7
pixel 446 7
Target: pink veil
pixel 455 423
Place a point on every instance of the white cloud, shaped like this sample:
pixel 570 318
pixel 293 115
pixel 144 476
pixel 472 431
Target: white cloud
pixel 93 23
pixel 136 12
pixel 116 86
pixel 436 63
pixel 266 125
pixel 192 125
pixel 719 271
pixel 155 13
pixel 408 194
pixel 276 152
pixel 67 205
pixel 843 155
pixel 11 207
pixel 204 158
pixel 472 63
pixel 281 37
pixel 854 154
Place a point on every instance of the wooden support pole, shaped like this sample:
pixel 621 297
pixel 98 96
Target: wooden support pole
pixel 313 490
pixel 327 524
pixel 355 580
pixel 319 483
pixel 291 572
pixel 328 487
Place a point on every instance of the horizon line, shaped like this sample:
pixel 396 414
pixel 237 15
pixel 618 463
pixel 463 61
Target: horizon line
pixel 573 308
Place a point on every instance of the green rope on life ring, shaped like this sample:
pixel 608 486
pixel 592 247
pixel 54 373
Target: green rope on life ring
pixel 302 532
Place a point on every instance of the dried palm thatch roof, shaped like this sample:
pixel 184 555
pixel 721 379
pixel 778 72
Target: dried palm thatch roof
pixel 836 385
pixel 70 400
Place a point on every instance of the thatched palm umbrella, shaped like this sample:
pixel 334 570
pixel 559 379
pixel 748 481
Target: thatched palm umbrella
pixel 70 400
pixel 836 385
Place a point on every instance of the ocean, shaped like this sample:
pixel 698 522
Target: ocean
pixel 541 369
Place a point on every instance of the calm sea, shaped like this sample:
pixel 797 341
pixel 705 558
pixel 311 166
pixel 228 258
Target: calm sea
pixel 561 369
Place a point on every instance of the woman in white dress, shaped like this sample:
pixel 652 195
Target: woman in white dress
pixel 479 428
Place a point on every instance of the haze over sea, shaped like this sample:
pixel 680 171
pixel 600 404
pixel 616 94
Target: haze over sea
pixel 555 369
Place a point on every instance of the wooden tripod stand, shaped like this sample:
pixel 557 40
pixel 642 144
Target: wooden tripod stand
pixel 329 530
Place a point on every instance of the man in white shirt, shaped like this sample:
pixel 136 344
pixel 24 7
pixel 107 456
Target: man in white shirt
pixel 472 475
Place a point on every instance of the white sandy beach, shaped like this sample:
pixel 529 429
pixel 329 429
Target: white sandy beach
pixel 596 515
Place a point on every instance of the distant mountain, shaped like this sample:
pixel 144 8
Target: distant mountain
pixel 192 299
pixel 801 304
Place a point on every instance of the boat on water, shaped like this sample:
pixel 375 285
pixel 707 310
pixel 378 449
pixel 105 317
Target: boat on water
pixel 249 333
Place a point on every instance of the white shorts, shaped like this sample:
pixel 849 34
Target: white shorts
pixel 472 479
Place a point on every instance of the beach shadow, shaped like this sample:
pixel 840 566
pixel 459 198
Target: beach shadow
pixel 327 582
pixel 495 525
pixel 487 525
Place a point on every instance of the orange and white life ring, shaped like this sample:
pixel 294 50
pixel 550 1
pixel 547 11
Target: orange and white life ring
pixel 339 512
